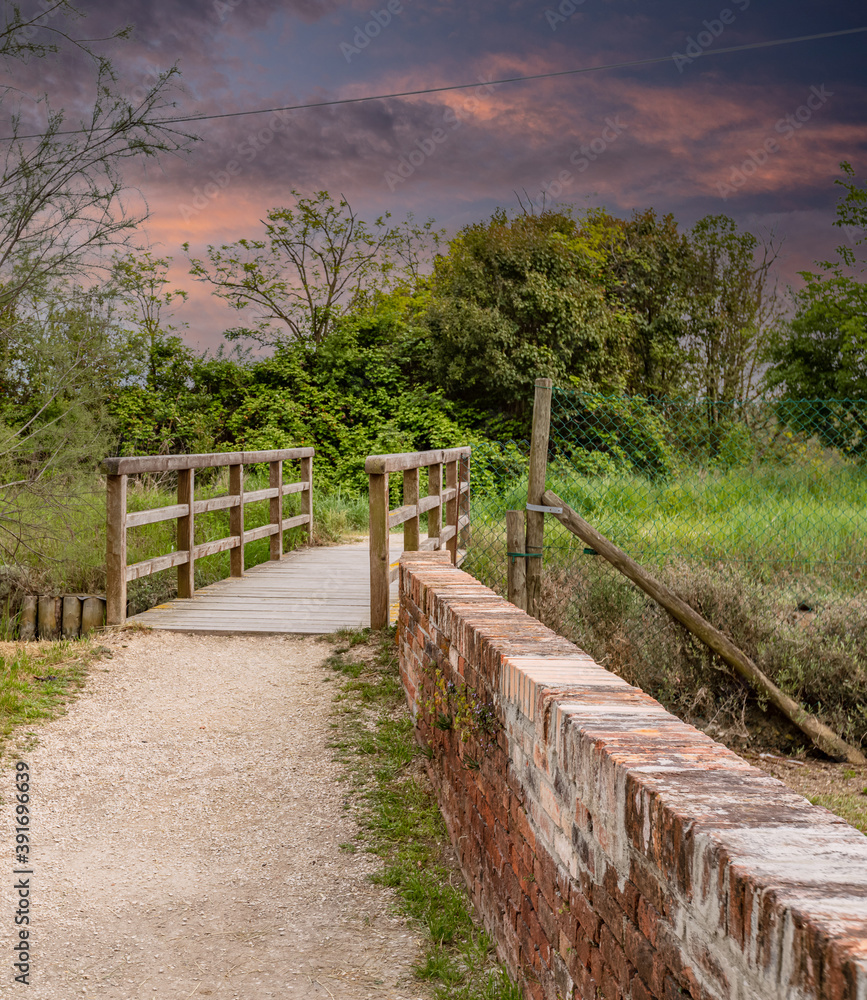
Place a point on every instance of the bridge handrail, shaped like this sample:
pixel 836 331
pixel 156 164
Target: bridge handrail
pixel 454 498
pixel 119 520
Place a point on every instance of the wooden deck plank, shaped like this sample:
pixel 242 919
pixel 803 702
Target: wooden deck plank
pixel 310 591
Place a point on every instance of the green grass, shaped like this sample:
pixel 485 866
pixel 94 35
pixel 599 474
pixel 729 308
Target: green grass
pixel 37 680
pixel 400 822
pixel 774 556
pixel 851 806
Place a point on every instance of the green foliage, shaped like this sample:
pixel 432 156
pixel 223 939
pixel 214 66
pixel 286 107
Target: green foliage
pixel 517 299
pixel 821 353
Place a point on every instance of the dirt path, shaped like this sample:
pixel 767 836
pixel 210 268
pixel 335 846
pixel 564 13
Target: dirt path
pixel 187 819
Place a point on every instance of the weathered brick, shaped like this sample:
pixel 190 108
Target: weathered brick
pixel 684 831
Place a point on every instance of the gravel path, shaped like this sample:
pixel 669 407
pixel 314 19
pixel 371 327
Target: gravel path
pixel 187 818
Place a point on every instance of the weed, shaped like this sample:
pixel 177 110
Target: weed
pixel 400 822
pixel 38 679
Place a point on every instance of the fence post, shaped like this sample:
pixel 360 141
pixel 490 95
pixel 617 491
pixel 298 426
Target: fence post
pixel 411 528
pixel 516 566
pixel 379 581
pixel 306 469
pixel 115 550
pixel 275 509
pixel 236 520
pixel 435 489
pixel 453 471
pixel 535 489
pixel 186 533
pixel 464 505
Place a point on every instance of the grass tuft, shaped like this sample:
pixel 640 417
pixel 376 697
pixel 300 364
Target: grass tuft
pixel 37 680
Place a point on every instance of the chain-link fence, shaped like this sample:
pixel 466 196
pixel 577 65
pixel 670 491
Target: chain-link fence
pixel 756 514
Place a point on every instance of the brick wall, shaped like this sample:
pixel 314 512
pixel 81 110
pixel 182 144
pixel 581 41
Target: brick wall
pixel 612 850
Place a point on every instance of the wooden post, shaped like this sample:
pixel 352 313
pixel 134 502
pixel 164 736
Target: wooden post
pixel 275 509
pixel 307 495
pixel 115 554
pixel 516 566
pixel 70 623
pixel 92 614
pixel 186 533
pixel 379 582
pixel 536 487
pixel 453 470
pixel 411 528
pixel 464 505
pixel 27 620
pixel 236 520
pixel 50 616
pixel 435 489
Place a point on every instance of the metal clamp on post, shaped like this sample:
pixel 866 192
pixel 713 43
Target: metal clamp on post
pixel 524 555
pixel 544 510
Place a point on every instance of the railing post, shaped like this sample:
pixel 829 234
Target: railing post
pixel 275 508
pixel 307 495
pixel 186 533
pixel 412 527
pixel 516 566
pixel 453 471
pixel 536 487
pixel 379 581
pixel 236 519
pixel 464 506
pixel 435 489
pixel 115 554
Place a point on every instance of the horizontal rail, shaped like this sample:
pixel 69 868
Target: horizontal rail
pixel 157 514
pixel 219 545
pixel 296 521
pixel 400 462
pixel 216 503
pixel 149 566
pixel 264 531
pixel 402 514
pixel 137 518
pixel 173 463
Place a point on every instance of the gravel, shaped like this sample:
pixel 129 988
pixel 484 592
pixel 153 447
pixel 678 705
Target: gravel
pixel 187 821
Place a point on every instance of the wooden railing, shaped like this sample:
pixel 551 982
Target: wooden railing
pixel 453 498
pixel 185 510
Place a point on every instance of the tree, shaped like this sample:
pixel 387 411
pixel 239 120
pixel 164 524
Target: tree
pixel 140 280
pixel 62 202
pixel 313 261
pixel 732 308
pixel 515 299
pixel 649 270
pixel 63 206
pixel 821 353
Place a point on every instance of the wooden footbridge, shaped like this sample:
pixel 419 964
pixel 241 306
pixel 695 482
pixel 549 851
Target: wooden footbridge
pixel 308 589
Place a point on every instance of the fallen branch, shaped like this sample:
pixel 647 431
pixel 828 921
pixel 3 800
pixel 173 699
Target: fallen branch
pixel 823 737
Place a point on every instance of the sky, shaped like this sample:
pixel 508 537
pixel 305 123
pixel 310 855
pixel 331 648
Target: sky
pixel 757 135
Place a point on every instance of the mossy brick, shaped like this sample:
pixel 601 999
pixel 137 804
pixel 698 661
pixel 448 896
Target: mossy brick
pixel 707 842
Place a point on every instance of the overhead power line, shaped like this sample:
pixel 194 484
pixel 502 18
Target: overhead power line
pixel 631 64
